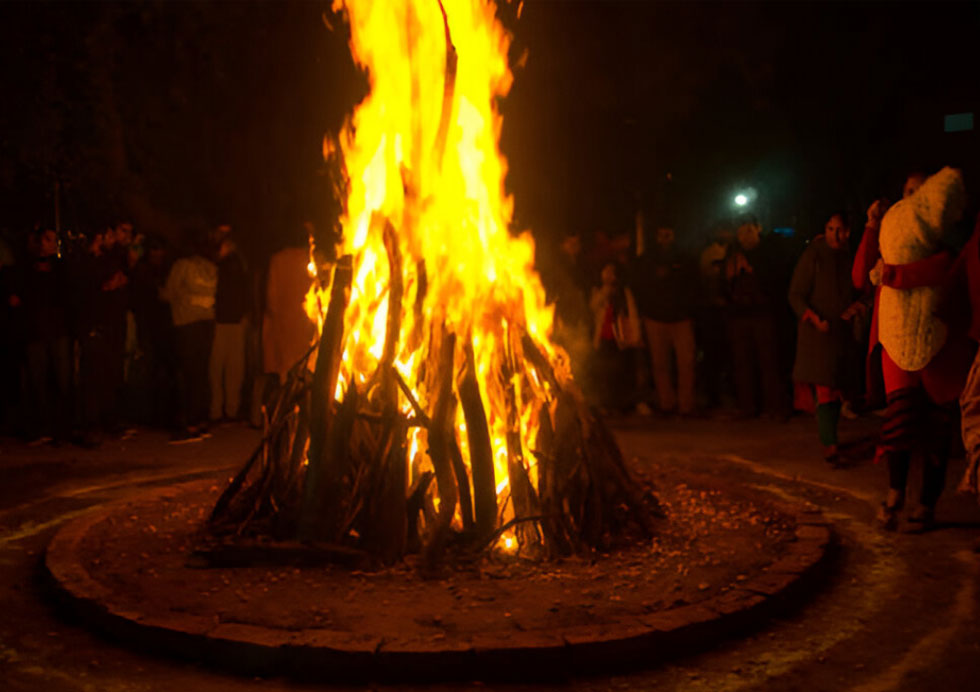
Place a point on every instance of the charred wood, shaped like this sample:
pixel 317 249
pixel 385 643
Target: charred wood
pixel 439 436
pixel 481 450
pixel 321 474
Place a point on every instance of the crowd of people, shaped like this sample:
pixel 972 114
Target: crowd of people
pixel 753 325
pixel 112 329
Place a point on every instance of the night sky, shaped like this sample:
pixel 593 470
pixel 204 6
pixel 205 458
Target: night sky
pixel 171 112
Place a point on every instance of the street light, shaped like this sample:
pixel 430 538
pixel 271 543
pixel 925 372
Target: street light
pixel 741 199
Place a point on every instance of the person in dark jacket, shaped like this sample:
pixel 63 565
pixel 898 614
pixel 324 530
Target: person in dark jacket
pixel 751 287
pixel 42 299
pixel 99 293
pixel 155 334
pixel 666 285
pixel 823 299
pixel 231 305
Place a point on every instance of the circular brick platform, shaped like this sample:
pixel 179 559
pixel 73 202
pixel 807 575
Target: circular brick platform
pixel 512 621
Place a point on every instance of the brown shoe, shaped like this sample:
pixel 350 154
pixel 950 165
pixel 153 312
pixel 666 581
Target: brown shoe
pixel 831 455
pixel 922 519
pixel 887 517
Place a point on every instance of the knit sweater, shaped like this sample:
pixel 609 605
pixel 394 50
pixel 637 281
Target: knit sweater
pixel 910 231
pixel 190 290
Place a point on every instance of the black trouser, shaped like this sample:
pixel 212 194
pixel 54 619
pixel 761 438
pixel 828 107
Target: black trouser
pixel 714 370
pixel 914 423
pixel 162 378
pixel 49 379
pixel 614 375
pixel 755 359
pixel 10 380
pixel 193 343
pixel 98 395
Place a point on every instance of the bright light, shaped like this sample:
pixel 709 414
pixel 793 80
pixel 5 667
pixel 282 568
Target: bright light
pixel 741 200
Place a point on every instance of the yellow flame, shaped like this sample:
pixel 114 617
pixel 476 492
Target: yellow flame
pixel 442 191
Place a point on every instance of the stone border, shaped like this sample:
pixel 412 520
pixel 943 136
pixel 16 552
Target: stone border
pixel 313 654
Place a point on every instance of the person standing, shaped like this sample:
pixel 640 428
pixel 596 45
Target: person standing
pixel 714 374
pixel 924 362
pixel 287 331
pixel 666 286
pixel 43 300
pixel 615 336
pixel 231 305
pixel 98 286
pixel 154 333
pixel 961 310
pixel 867 256
pixel 190 290
pixel 752 324
pixel 821 295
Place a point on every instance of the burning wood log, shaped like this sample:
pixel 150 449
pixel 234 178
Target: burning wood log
pixel 440 433
pixel 393 326
pixel 522 493
pixel 321 474
pixel 386 516
pixel 521 464
pixel 480 447
pixel 448 89
pixel 553 526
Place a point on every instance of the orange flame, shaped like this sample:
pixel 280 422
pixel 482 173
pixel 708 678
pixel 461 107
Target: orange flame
pixel 424 158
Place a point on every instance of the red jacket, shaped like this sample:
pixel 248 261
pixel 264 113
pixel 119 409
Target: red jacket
pixel 946 372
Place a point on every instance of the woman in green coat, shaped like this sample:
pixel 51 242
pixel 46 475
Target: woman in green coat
pixel 822 297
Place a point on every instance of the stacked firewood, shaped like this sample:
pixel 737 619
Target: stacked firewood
pixel 335 474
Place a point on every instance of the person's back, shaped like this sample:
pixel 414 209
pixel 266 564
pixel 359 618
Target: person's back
pixel 43 300
pixel 92 309
pixel 44 297
pixel 190 289
pixel 231 301
pixel 231 304
pixel 287 331
pixel 665 284
pixel 152 313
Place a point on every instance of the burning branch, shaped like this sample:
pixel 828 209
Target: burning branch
pixel 323 474
pixel 481 450
pixel 440 432
pixel 456 381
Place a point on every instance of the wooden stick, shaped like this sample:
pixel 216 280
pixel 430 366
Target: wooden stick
pixel 516 521
pixel 418 309
pixel 419 413
pixel 462 482
pixel 221 506
pixel 554 528
pixel 448 92
pixel 319 473
pixel 481 449
pixel 528 535
pixel 538 361
pixel 414 505
pixel 393 326
pixel 439 436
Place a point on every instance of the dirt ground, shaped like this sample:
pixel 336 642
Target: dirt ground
pixel 711 539
pixel 899 613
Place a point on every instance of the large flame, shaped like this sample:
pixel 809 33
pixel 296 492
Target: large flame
pixel 424 160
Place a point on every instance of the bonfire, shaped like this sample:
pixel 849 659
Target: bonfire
pixel 433 415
